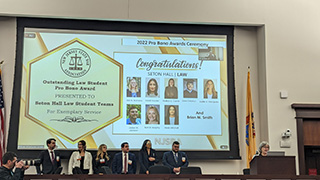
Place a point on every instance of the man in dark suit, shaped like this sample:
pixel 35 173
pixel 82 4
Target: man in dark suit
pixel 50 159
pixel 175 159
pixel 124 162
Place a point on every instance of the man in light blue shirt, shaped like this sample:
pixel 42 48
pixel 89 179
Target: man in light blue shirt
pixel 133 116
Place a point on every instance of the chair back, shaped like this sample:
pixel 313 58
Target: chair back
pixel 190 170
pixel 105 170
pixel 76 170
pixel 159 169
pixel 58 170
pixel 246 171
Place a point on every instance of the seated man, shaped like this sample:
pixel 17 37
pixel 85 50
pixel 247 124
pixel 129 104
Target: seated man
pixel 9 162
pixel 50 159
pixel 175 159
pixel 124 162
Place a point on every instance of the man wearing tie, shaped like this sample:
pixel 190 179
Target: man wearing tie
pixel 50 159
pixel 175 159
pixel 124 162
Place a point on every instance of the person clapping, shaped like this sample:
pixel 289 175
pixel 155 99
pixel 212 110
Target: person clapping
pixel 9 162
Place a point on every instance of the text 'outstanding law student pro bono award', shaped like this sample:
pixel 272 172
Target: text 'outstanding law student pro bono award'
pixel 76 87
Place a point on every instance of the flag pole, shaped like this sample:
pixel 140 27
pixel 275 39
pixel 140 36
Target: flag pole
pixel 2 122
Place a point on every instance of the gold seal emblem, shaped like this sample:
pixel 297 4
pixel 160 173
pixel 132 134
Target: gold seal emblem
pixel 75 62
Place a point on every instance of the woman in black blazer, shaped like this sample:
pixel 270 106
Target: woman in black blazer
pixel 101 161
pixel 147 157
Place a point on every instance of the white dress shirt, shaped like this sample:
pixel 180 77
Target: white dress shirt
pixel 49 151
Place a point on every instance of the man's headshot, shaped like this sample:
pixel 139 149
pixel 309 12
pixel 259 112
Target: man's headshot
pixel 133 114
pixel 190 86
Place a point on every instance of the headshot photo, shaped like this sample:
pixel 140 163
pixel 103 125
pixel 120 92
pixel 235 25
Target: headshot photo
pixel 152 87
pixel 152 114
pixel 209 90
pixel 133 87
pixel 171 115
pixel 133 114
pixel 190 88
pixel 171 90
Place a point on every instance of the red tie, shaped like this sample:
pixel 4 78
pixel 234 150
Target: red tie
pixel 125 163
pixel 52 157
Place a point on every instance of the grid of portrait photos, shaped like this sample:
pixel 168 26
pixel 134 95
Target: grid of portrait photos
pixel 147 96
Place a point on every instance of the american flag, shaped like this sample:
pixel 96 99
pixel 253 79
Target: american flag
pixel 2 138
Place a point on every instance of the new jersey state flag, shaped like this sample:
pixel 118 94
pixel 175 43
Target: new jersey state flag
pixel 250 127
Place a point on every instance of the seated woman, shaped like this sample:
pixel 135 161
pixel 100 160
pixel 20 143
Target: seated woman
pixel 101 161
pixel 263 148
pixel 171 91
pixel 133 88
pixel 152 115
pixel 80 161
pixel 147 157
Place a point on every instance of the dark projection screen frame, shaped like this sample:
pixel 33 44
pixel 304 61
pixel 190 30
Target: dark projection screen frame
pixel 121 26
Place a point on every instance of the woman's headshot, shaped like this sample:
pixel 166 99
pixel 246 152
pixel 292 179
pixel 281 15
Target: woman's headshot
pixel 209 90
pixel 171 91
pixel 152 88
pixel 172 117
pixel 133 89
pixel 152 115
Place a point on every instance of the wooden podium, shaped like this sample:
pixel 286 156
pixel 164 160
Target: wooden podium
pixel 273 165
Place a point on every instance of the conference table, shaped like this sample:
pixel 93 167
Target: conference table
pixel 170 177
